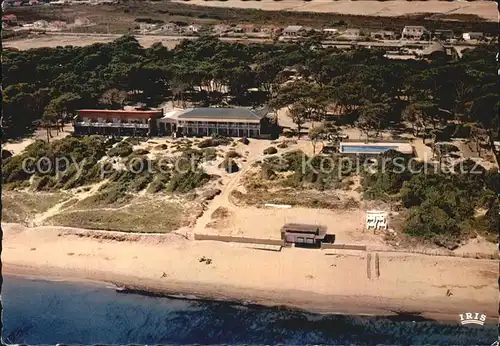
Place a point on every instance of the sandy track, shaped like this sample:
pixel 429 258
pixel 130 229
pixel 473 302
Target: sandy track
pixel 484 9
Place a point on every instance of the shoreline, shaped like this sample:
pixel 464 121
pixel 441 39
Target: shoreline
pixel 183 291
pixel 344 282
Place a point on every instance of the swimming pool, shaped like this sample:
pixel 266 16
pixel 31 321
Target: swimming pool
pixel 372 149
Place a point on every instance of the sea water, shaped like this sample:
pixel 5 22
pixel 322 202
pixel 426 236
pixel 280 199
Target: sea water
pixel 49 312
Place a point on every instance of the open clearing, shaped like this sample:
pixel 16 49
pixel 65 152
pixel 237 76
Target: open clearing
pixel 57 40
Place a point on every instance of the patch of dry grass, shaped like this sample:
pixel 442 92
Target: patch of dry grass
pixel 20 206
pixel 142 216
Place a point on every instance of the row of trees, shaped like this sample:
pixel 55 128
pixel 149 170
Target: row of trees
pixel 47 84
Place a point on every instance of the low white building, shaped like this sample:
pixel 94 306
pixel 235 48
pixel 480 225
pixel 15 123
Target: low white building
pixel 351 34
pixel 330 31
pixel 148 26
pixel 414 32
pixel 383 35
pixel 234 122
pixel 40 24
pixel 293 31
pixel 170 27
pixel 472 36
pixel 221 28
pixel 193 28
pixel 81 21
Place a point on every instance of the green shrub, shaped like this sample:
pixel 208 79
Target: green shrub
pixel 229 165
pixel 141 152
pixel 244 140
pixel 159 183
pixel 6 154
pixel 187 181
pixel 270 151
pixel 135 140
pixel 111 194
pixel 232 154
pixel 43 183
pixel 141 182
pixel 267 172
pixel 122 149
pixel 289 134
pixel 433 224
pixel 214 142
pixel 161 147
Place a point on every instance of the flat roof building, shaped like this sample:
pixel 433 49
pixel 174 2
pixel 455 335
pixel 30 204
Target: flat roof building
pixel 472 36
pixel 208 121
pixel 414 32
pixel 116 122
pixel 293 30
pixel 298 233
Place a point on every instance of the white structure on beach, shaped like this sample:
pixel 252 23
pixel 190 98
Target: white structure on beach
pixel 376 219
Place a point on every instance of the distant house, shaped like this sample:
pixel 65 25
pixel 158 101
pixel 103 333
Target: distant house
pixel 221 28
pixel 434 51
pixel 148 26
pixel 171 27
pixel 58 25
pixel 57 3
pixel 414 32
pixel 270 29
pixel 443 34
pixel 293 31
pixel 472 36
pixel 351 34
pixel 330 31
pixel 245 28
pixel 383 35
pixel 9 19
pixel 193 28
pixel 82 21
pixel 40 24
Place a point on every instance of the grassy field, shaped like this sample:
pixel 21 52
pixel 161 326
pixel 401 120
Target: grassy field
pixel 120 18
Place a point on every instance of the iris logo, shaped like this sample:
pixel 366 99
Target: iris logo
pixel 472 318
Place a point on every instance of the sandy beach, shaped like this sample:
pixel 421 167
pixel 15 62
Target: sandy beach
pixel 317 280
pixel 483 9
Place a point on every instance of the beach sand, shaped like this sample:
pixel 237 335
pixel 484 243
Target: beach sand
pixel 483 9
pixel 302 278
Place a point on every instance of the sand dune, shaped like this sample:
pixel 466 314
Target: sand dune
pixel 484 9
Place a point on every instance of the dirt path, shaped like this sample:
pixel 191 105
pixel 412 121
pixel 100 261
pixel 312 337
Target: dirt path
pixel 60 207
pixel 223 199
